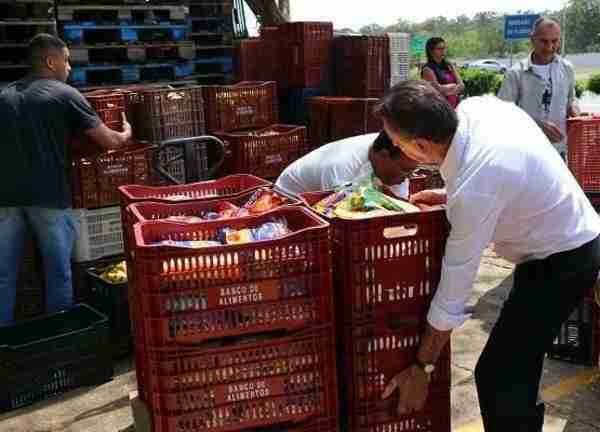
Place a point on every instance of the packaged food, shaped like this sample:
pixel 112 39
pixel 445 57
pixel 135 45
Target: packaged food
pixel 271 230
pixel 190 244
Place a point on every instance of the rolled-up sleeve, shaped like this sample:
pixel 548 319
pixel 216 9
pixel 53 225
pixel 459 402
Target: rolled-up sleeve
pixel 473 218
pixel 509 91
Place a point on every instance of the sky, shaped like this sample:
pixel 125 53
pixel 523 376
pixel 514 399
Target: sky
pixel 357 13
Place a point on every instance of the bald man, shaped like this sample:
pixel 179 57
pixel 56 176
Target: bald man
pixel 543 84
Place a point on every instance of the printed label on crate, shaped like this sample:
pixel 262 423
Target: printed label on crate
pixel 117 169
pixel 253 292
pixel 273 159
pixel 245 111
pixel 249 390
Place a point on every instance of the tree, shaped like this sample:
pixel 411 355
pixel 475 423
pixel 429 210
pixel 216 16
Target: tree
pixel 267 12
pixel 372 29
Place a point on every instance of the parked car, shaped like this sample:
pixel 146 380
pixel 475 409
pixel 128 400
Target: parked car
pixel 489 64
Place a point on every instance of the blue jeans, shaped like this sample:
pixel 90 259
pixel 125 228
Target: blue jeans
pixel 55 231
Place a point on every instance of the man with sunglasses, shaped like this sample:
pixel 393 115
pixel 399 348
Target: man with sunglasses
pixel 39 113
pixel 543 84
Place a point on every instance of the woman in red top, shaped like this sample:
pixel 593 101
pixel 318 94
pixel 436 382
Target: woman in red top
pixel 442 74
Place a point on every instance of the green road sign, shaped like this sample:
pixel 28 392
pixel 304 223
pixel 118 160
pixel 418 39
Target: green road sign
pixel 417 45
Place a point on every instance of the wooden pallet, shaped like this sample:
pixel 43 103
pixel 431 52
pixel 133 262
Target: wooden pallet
pixel 24 11
pixel 75 34
pixel 86 76
pixel 118 13
pixel 99 54
pixel 23 31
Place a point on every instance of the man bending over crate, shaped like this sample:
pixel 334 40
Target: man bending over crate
pixel 347 160
pixel 524 200
pixel 38 114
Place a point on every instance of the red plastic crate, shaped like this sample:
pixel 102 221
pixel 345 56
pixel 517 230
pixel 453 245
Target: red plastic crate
pixel 223 188
pixel 246 59
pixel 386 266
pixel 362 66
pixel 168 113
pixel 189 296
pixel 335 118
pixel 248 104
pixel 109 105
pixel 276 381
pixel 263 152
pixel 373 354
pixel 96 179
pixel 147 210
pixel 381 416
pixel 308 47
pixel 583 137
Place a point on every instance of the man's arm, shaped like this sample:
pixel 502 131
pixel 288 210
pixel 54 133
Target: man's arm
pixel 572 108
pixel 107 138
pixel 473 218
pixel 509 91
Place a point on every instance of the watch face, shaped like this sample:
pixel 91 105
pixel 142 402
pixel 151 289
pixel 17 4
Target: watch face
pixel 429 368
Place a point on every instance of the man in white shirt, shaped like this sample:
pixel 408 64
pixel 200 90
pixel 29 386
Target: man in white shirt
pixel 347 160
pixel 504 184
pixel 543 84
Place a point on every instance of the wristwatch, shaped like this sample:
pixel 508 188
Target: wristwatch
pixel 428 368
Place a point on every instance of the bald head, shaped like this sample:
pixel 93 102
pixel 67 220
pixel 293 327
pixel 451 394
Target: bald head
pixel 541 23
pixel 545 38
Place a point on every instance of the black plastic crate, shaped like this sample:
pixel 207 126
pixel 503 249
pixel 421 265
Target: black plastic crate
pixel 48 356
pixel 112 300
pixel 577 339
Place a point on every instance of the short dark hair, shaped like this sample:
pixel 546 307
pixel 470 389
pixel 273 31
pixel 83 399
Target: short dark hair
pixel 41 44
pixel 383 142
pixel 415 108
pixel 430 46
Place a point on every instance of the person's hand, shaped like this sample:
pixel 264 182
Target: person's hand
pixel 551 131
pixel 413 389
pixel 428 198
pixel 126 126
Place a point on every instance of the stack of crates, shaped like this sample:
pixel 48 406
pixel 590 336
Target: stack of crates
pixel 579 338
pixel 361 65
pixel 399 57
pixel 232 337
pixel 95 179
pixel 119 42
pixel 333 118
pixel 245 116
pixel 215 24
pixel 386 270
pixel 20 20
pixel 297 56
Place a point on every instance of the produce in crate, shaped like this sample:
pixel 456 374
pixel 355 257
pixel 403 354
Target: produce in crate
pixel 115 273
pixel 261 201
pixel 228 236
pixel 362 200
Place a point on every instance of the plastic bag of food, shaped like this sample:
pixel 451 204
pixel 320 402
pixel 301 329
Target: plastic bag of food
pixel 271 230
pixel 262 201
pixel 190 244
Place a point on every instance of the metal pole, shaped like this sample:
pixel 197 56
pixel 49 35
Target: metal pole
pixel 511 53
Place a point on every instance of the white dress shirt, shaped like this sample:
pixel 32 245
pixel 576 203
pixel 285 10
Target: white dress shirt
pixel 505 184
pixel 333 165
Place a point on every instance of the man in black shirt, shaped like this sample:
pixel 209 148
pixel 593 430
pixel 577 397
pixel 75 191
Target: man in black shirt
pixel 38 115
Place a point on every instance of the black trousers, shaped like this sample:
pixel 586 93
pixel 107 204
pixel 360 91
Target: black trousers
pixel 508 372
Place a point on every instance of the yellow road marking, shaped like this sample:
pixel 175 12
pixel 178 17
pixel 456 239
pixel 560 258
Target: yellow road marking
pixel 569 385
pixel 549 394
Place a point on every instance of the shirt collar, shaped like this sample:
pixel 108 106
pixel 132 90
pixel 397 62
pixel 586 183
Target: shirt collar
pixel 527 62
pixel 451 163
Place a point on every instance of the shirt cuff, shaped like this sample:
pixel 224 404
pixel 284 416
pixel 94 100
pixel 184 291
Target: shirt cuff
pixel 442 320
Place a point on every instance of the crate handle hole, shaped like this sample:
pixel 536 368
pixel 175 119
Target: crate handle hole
pixel 401 231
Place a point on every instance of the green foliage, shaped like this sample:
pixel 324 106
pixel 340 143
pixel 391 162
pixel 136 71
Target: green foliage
pixel 580 86
pixel 479 82
pixel 594 83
